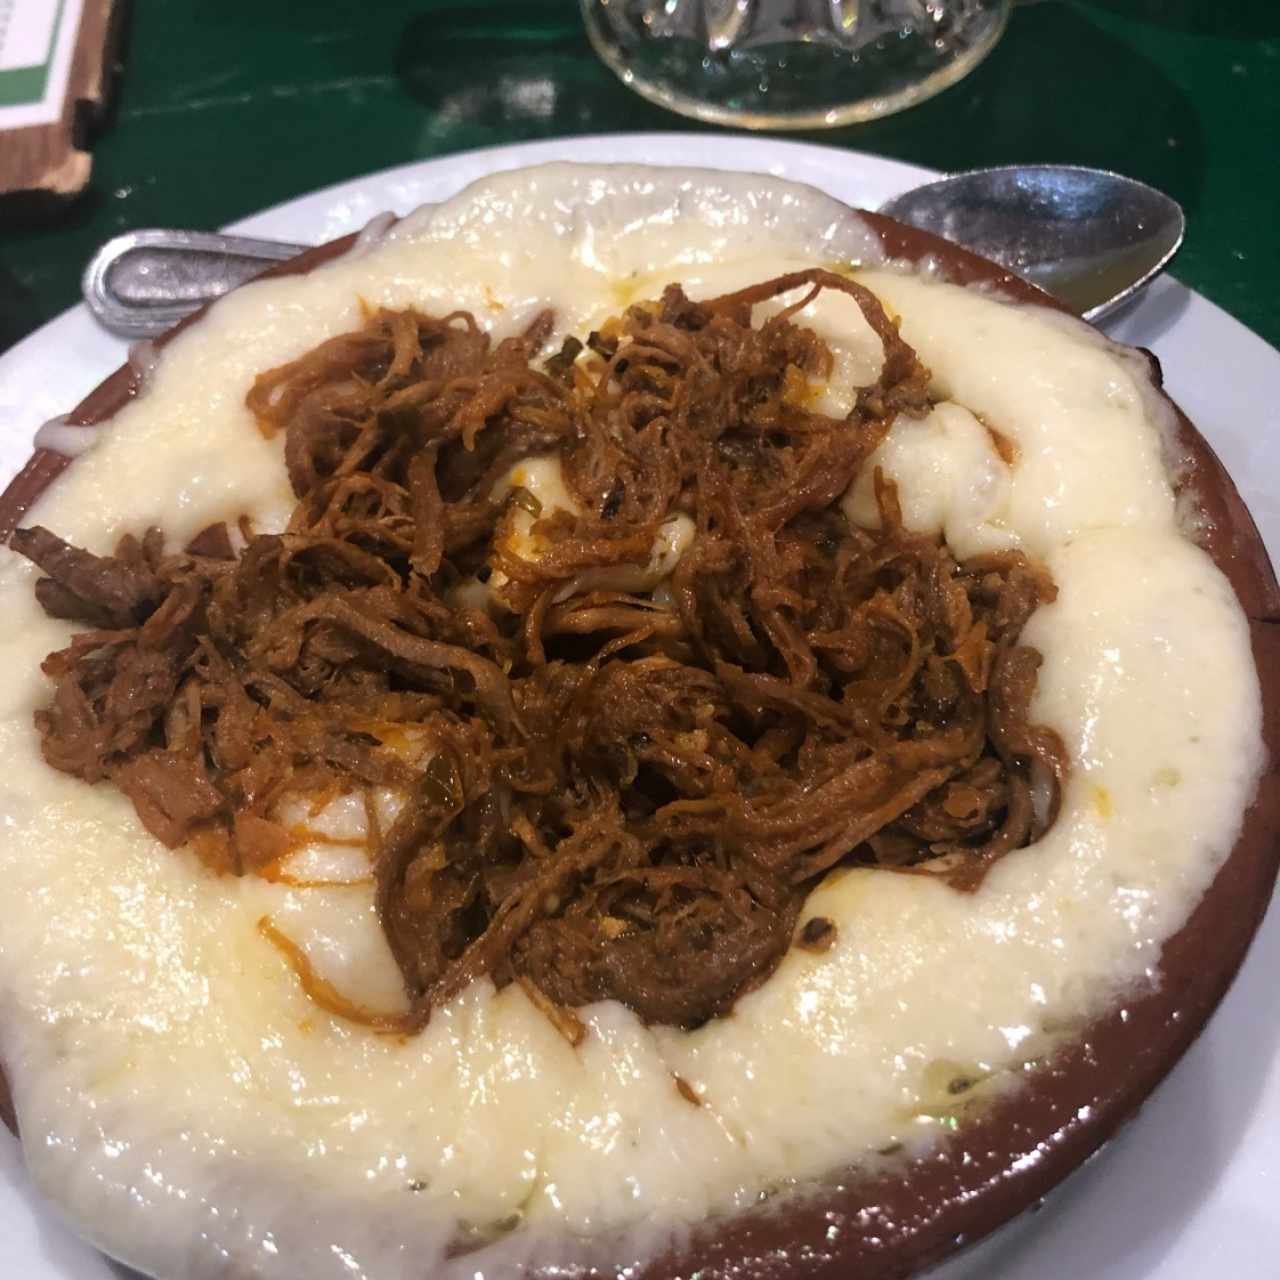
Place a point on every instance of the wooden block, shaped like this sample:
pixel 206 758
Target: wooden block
pixel 48 158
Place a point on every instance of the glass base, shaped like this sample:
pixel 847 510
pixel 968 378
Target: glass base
pixel 792 64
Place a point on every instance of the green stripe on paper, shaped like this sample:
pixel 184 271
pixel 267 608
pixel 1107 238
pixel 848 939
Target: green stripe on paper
pixel 23 85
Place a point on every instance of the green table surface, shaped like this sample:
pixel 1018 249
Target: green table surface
pixel 223 107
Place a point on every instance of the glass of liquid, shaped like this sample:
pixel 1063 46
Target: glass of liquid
pixel 792 64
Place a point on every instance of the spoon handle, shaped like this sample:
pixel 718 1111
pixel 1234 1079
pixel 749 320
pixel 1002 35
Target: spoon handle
pixel 142 283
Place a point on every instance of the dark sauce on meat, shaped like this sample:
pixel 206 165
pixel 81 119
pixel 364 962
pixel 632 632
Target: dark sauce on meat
pixel 614 795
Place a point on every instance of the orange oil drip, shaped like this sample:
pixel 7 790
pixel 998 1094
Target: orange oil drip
pixel 323 993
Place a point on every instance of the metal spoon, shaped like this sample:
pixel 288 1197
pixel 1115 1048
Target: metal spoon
pixel 1093 239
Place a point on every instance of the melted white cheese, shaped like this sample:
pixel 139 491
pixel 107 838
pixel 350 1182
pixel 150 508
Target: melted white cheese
pixel 194 1113
pixel 60 436
pixel 951 480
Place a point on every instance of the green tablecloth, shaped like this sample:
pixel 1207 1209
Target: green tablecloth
pixel 223 108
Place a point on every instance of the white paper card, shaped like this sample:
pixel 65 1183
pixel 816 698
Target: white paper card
pixel 37 38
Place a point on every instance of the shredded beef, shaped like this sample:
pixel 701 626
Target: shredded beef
pixel 610 793
pixel 117 590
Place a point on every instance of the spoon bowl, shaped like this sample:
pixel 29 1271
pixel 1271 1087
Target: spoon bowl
pixel 1092 238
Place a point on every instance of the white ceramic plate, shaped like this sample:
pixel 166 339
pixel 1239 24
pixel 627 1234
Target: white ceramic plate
pixel 1187 1191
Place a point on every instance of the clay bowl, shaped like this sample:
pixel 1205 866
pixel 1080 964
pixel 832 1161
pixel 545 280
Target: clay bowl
pixel 897 1223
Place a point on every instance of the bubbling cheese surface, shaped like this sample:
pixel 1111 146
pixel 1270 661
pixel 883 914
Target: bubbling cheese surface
pixel 196 1115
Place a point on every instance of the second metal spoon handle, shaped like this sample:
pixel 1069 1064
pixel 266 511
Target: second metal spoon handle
pixel 142 283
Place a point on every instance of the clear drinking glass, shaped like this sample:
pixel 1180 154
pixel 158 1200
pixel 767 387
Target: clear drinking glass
pixel 792 64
